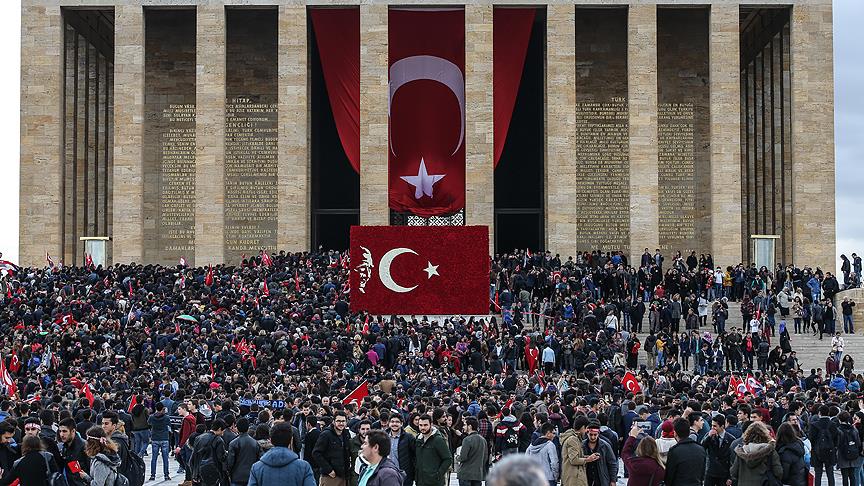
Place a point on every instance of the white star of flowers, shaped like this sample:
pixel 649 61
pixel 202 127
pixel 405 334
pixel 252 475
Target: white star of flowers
pixel 431 270
pixel 423 181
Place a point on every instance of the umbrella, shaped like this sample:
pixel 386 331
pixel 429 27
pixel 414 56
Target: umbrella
pixel 187 317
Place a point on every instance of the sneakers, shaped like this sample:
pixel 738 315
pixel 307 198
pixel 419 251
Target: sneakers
pixel 152 478
pixel 167 478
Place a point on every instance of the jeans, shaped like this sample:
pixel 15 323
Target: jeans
pixel 849 475
pixel 848 328
pixel 157 447
pixel 140 439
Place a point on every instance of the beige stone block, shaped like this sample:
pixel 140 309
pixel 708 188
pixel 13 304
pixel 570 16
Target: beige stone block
pixel 642 98
pixel 813 191
pixel 210 134
pixel 726 238
pixel 128 194
pixel 560 128
pixel 293 233
pixel 479 153
pixel 40 223
pixel 374 206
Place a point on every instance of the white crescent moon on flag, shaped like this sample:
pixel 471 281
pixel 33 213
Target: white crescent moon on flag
pixel 384 270
pixel 434 68
pixel 631 385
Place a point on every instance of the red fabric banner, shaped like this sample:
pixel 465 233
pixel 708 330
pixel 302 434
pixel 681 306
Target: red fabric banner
pixel 337 31
pixel 427 110
pixel 420 269
pixel 511 31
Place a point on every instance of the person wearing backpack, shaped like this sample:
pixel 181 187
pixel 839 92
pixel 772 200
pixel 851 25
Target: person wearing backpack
pixel 131 465
pixel 848 449
pixel 34 468
pixel 210 456
pixel 507 433
pixel 824 437
pixel 104 461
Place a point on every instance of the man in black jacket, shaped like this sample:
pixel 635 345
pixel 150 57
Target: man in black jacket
pixel 824 439
pixel 8 453
pixel 717 446
pixel 332 452
pixel 309 441
pixel 402 448
pixel 685 464
pixel 243 451
pixel 71 447
pixel 209 457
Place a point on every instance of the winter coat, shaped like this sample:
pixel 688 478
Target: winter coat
pixel 281 466
pixel 385 474
pixel 719 454
pixel 160 425
pixel 332 452
pixel 641 469
pixel 573 472
pixel 842 431
pixel 103 469
pixel 607 465
pixel 243 452
pixel 685 464
pixel 750 462
pixel 543 451
pixel 74 451
pixel 792 461
pixel 433 460
pixel 30 470
pixel 473 458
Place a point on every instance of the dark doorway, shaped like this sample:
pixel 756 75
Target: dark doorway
pixel 519 176
pixel 335 185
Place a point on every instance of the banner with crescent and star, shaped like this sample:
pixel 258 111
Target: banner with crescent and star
pixel 419 270
pixel 427 110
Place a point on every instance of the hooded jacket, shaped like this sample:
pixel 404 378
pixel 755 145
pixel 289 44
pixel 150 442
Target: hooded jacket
pixel 281 466
pixel 385 474
pixel 750 462
pixel 544 452
pixel 573 472
pixel 792 462
pixel 103 469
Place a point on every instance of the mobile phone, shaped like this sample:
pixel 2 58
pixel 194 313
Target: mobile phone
pixel 645 426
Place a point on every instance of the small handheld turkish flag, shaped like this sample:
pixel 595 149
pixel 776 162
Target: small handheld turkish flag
pixel 420 270
pixel 356 396
pixel 630 383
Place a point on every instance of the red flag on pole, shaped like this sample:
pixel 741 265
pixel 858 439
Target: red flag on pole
pixel 265 259
pixel 89 394
pixel 266 289
pixel 540 379
pixel 356 396
pixel 506 405
pixel 630 383
pixel 296 280
pixel 8 382
pixel 208 280
pixel 133 403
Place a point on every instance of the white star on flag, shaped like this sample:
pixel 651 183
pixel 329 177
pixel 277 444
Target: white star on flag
pixel 431 270
pixel 423 181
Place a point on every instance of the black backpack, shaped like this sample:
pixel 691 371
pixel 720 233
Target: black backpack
pixel 511 438
pixel 209 472
pixel 850 444
pixel 131 465
pixel 824 447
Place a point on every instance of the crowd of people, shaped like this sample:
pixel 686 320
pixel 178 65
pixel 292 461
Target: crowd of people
pixel 259 373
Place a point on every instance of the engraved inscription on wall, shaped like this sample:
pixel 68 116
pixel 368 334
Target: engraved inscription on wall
pixel 677 181
pixel 177 188
pixel 251 196
pixel 603 175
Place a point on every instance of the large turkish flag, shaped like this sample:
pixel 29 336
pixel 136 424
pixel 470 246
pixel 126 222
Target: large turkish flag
pixel 420 269
pixel 427 110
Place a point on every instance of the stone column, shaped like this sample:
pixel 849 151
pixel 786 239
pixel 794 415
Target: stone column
pixel 128 193
pixel 293 172
pixel 479 127
pixel 210 134
pixel 726 244
pixel 642 106
pixel 40 224
pixel 560 129
pixel 813 231
pixel 374 206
